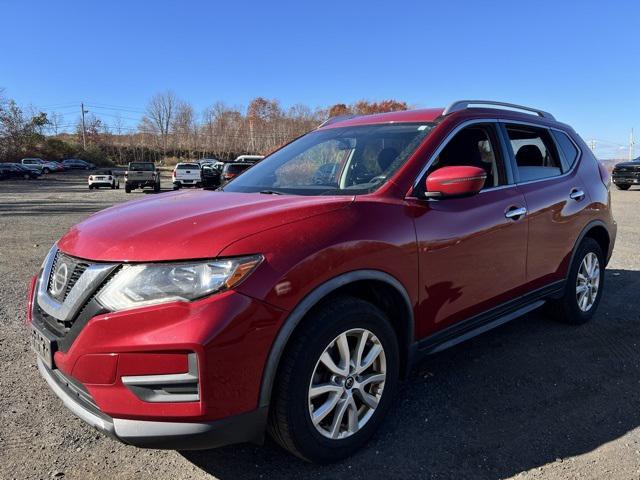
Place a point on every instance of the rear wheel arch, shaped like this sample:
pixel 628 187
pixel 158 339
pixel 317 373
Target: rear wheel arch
pixel 377 287
pixel 599 232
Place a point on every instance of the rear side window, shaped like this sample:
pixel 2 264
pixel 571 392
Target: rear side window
pixel 535 153
pixel 567 147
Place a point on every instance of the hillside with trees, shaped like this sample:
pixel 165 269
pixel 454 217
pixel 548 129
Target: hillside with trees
pixel 170 129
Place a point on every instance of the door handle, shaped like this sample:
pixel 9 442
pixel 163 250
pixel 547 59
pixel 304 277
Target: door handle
pixel 514 213
pixel 576 194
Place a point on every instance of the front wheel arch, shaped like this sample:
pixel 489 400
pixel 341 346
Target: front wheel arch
pixel 335 286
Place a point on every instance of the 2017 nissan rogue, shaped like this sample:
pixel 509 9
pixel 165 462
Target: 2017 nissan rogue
pixel 293 301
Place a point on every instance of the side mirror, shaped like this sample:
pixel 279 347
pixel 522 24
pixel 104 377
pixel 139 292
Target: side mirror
pixel 455 182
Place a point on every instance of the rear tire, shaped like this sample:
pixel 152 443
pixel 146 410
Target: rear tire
pixel 348 421
pixel 585 283
pixel 623 187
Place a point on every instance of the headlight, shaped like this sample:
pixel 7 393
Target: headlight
pixel 153 283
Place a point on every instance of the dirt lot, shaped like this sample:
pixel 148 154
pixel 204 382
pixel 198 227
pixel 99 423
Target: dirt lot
pixel 532 399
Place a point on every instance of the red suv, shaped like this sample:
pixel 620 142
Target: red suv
pixel 294 300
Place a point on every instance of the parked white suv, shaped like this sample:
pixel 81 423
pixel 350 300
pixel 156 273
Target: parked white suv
pixel 248 159
pixel 186 175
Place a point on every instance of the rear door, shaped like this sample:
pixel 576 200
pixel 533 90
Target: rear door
pixel 555 195
pixel 472 250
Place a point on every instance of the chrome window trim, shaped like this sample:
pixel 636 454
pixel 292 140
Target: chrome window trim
pixel 503 121
pixel 86 285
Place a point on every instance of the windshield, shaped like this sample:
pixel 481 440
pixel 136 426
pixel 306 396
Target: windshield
pixel 142 167
pixel 335 161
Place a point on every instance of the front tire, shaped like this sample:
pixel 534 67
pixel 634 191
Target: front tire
pixel 335 382
pixel 623 186
pixel 127 188
pixel 585 283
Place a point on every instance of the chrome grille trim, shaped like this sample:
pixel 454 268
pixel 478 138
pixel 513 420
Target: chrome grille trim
pixel 86 284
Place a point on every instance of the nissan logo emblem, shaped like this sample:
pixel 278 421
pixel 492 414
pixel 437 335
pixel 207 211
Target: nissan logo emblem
pixel 59 280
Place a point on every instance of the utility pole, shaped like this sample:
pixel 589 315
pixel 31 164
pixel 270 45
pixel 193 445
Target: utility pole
pixel 632 143
pixel 592 145
pixel 84 135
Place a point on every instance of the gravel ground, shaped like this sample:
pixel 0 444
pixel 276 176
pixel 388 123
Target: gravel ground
pixel 532 399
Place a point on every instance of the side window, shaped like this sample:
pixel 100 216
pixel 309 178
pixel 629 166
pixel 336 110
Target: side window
pixel 535 152
pixel 567 147
pixel 475 146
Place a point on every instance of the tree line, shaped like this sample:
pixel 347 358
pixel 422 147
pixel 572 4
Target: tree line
pixel 169 130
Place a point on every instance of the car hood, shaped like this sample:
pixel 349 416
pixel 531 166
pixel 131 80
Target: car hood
pixel 186 225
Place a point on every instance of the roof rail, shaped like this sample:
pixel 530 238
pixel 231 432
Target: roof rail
pixel 464 104
pixel 338 118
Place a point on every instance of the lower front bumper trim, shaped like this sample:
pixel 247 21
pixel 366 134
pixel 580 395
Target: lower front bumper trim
pixel 246 427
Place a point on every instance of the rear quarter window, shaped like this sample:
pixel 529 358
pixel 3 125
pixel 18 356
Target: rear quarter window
pixel 567 147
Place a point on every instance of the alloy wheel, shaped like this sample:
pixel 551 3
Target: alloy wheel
pixel 347 383
pixel 588 282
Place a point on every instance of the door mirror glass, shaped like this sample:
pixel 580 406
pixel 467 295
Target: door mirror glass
pixel 458 181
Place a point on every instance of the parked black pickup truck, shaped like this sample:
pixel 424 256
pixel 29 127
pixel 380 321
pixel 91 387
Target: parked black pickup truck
pixel 140 175
pixel 626 174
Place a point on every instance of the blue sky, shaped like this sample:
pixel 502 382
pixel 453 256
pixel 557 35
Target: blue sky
pixel 577 59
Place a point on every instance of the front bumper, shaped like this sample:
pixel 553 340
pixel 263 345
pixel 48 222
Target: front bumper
pixel 627 178
pixel 246 427
pixel 156 375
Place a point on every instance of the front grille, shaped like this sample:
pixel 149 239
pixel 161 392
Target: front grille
pixel 77 272
pixel 75 268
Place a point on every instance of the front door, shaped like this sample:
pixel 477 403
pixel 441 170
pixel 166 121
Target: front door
pixel 472 250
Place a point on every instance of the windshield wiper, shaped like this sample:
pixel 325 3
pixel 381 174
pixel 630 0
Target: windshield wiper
pixel 271 192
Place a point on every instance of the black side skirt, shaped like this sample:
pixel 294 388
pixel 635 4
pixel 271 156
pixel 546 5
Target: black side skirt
pixel 485 321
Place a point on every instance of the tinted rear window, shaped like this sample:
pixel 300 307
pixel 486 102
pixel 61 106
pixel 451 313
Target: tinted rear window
pixel 234 168
pixel 145 167
pixel 188 167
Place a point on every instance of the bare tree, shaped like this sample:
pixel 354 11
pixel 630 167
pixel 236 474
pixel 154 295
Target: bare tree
pixel 56 120
pixel 183 127
pixel 159 116
pixel 94 129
